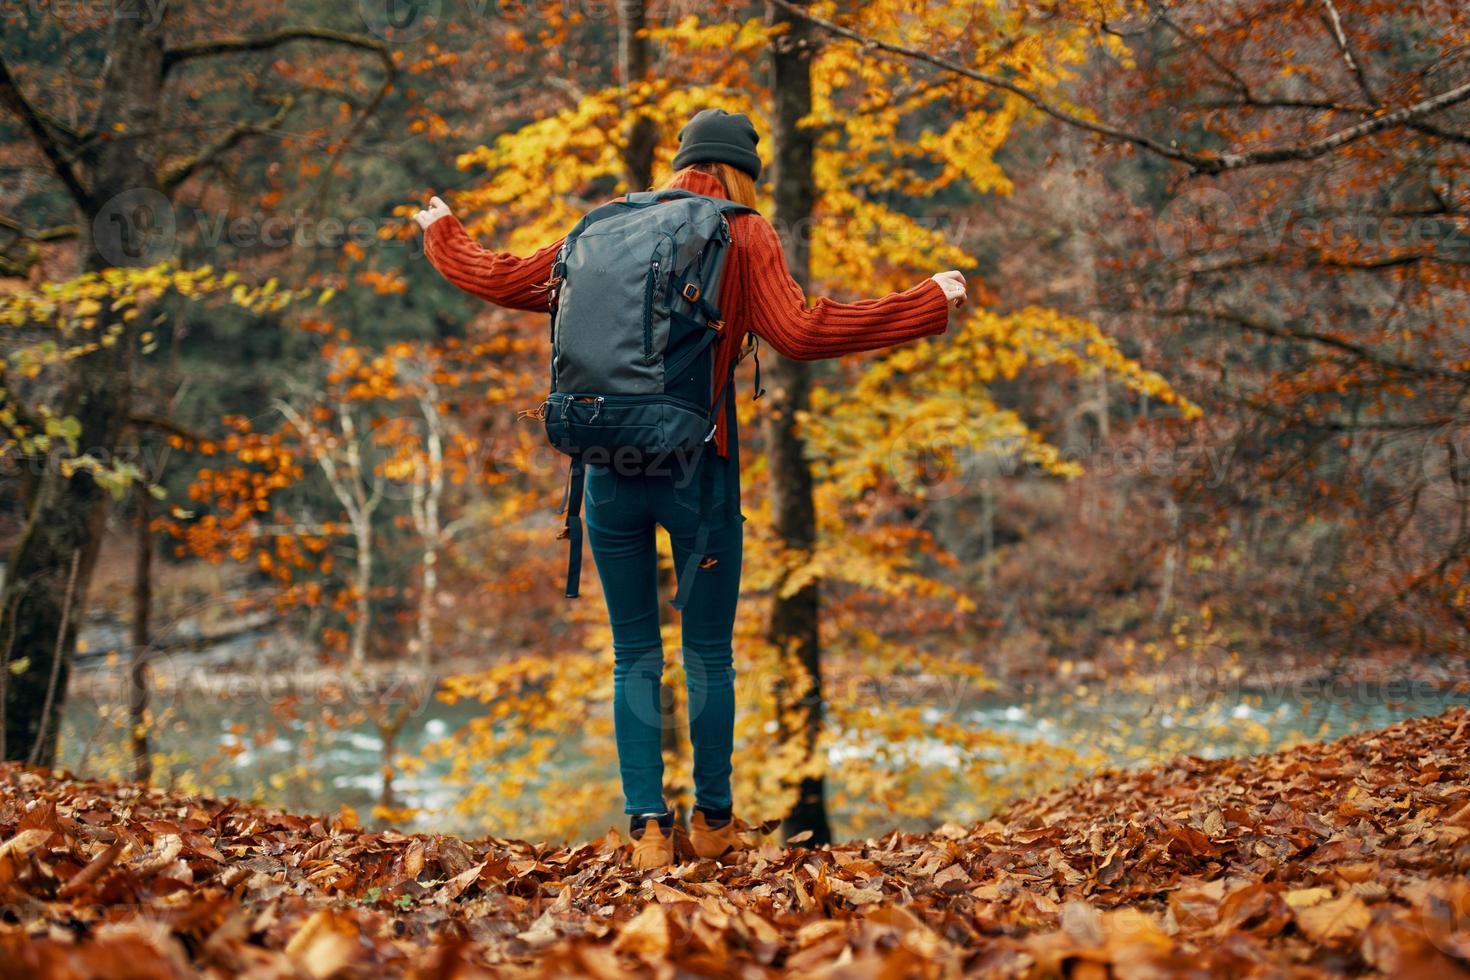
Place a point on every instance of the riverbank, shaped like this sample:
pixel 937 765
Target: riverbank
pixel 1325 859
pixel 311 736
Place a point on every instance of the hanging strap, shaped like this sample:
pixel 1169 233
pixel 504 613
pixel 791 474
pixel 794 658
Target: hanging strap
pixel 696 557
pixel 572 529
pixel 732 462
pixel 751 351
pixel 711 498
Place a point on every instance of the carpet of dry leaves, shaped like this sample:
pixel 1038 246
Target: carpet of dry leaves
pixel 1344 858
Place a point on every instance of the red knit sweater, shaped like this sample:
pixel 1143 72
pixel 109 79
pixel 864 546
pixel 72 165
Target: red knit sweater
pixel 757 294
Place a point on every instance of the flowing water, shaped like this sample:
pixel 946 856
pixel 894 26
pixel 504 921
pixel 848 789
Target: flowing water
pixel 312 747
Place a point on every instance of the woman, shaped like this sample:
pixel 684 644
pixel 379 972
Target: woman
pixel 717 156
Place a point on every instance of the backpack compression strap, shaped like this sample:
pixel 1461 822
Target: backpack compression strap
pixel 572 529
pixel 706 467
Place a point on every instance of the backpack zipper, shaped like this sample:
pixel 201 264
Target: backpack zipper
pixel 648 288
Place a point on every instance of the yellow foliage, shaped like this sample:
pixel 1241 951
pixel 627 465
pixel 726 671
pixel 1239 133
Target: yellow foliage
pixel 917 423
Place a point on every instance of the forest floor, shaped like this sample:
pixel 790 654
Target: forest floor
pixel 1347 857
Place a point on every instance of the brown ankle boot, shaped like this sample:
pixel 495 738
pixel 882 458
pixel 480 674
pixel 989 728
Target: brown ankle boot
pixel 652 848
pixel 711 842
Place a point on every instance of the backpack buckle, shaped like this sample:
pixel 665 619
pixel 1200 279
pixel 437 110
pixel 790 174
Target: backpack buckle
pixel 690 292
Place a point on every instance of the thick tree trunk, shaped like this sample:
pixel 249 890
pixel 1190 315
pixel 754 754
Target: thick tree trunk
pixel 142 610
pixel 794 619
pixel 634 58
pixel 48 573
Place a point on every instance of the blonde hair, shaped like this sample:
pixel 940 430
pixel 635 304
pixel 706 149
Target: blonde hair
pixel 739 186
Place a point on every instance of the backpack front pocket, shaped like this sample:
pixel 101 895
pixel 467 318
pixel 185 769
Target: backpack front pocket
pixel 630 425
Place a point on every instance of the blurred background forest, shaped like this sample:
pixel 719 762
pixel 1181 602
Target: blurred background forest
pixel 1188 474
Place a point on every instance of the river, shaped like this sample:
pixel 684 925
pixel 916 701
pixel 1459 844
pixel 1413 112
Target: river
pixel 231 736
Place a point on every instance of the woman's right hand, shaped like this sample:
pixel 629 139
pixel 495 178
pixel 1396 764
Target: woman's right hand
pixel 953 284
pixel 436 210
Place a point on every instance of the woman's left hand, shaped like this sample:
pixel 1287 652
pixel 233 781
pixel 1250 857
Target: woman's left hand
pixel 437 209
pixel 953 284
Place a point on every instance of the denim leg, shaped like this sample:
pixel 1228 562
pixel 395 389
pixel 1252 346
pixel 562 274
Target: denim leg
pixel 708 625
pixel 620 532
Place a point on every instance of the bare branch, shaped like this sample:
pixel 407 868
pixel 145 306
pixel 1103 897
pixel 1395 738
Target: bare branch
pixel 241 44
pixel 1340 36
pixel 53 234
pixel 264 42
pixel 24 240
pixel 164 425
pixel 1359 351
pixel 184 169
pixel 44 138
pixel 1204 163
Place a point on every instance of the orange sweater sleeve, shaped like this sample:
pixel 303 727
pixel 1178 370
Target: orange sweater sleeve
pixel 776 310
pixel 504 279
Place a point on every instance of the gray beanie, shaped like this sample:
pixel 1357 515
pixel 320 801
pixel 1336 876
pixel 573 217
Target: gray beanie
pixel 722 137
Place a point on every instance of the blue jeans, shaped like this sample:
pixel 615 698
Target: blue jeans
pixel 622 509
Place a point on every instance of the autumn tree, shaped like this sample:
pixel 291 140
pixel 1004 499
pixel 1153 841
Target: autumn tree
pixel 119 180
pixel 794 626
pixel 864 236
pixel 1269 202
pixel 63 327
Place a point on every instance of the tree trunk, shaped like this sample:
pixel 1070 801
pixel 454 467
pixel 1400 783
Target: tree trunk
pixel 363 582
pixel 49 571
pixel 794 619
pixel 634 58
pixel 138 674
pixel 633 61
pixel 390 726
pixel 428 494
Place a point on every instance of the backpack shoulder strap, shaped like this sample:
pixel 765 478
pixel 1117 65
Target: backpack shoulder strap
pixel 722 204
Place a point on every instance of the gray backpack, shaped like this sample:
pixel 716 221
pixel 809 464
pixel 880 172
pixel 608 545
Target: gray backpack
pixel 634 324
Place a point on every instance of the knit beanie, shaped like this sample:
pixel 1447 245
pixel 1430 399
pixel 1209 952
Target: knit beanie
pixel 722 137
